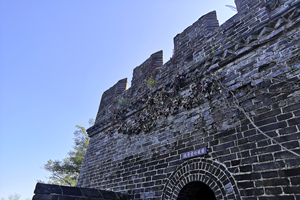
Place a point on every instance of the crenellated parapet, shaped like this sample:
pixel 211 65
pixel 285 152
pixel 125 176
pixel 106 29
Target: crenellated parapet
pixel 192 37
pixel 146 71
pixel 220 118
pixel 204 44
pixel 110 95
pixel 245 6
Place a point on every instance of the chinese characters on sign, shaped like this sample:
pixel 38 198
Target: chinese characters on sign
pixel 197 152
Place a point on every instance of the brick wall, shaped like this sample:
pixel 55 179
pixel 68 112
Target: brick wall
pixel 109 96
pixel 238 97
pixel 144 72
pixel 192 37
pixel 56 192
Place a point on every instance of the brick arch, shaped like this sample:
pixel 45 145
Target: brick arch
pixel 209 172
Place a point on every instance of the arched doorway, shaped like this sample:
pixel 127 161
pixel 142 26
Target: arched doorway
pixel 200 176
pixel 196 191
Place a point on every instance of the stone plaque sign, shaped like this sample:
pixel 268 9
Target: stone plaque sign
pixel 194 153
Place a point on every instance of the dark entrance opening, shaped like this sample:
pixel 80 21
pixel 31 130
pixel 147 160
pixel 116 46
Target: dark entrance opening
pixel 196 191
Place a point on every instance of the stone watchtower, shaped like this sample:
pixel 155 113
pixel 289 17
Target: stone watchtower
pixel 219 120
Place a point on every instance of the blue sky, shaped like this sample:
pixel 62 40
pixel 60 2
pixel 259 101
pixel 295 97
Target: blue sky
pixel 57 57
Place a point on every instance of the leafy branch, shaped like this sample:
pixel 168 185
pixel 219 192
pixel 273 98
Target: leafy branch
pixel 66 171
pixel 151 82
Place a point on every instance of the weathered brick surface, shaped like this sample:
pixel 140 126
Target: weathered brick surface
pixel 251 65
pixel 55 192
pixel 110 95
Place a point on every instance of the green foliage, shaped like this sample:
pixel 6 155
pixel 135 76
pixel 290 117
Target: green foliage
pixel 228 39
pixel 213 49
pixel 15 196
pixel 293 69
pixel 123 195
pixel 123 102
pixel 66 171
pixel 151 82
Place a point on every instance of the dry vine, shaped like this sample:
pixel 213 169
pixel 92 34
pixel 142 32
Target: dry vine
pixel 236 104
